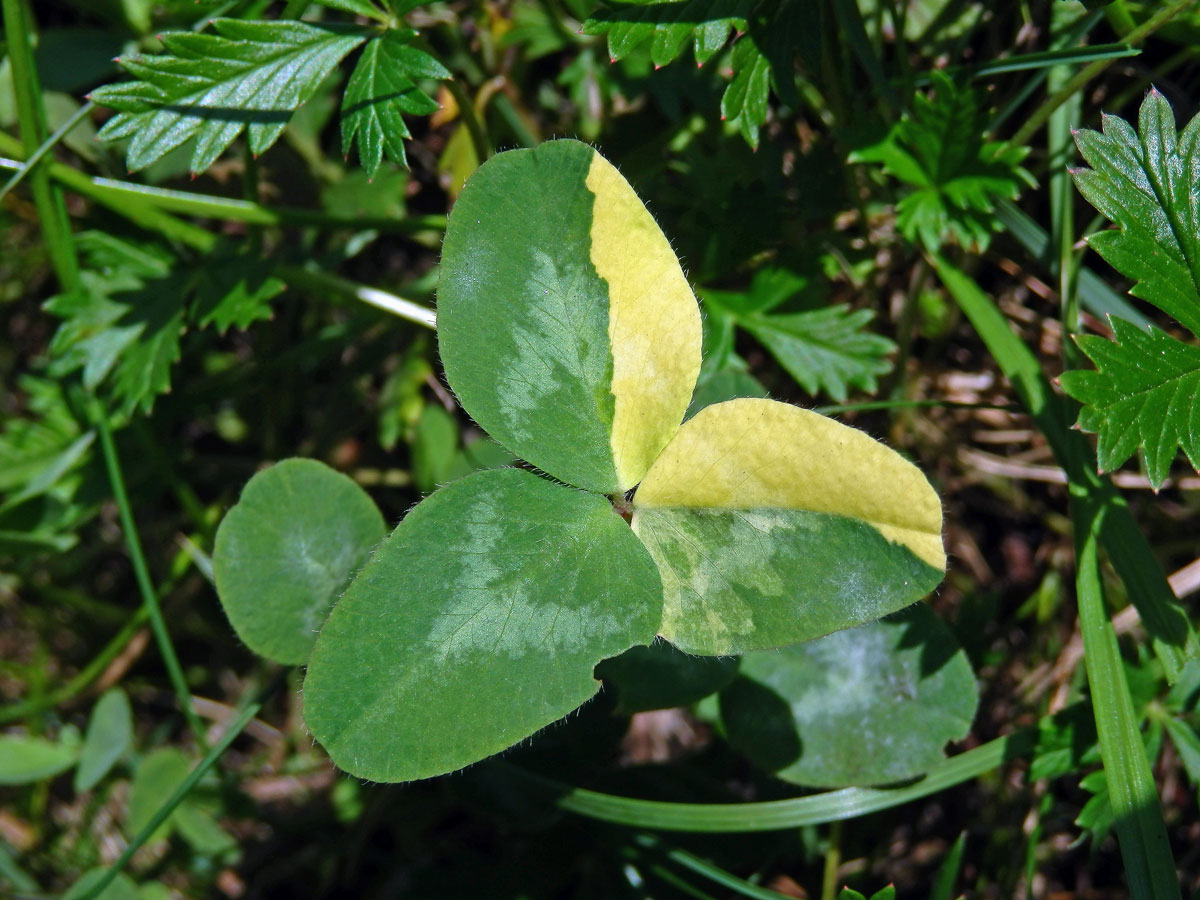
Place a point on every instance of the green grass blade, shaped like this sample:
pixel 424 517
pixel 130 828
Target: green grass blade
pixel 1045 60
pixel 714 873
pixel 1149 866
pixel 47 145
pixel 31 116
pixel 772 815
pixel 142 572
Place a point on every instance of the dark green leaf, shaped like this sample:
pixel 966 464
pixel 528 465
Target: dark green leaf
pixel 235 291
pixel 478 622
pixel 865 706
pixel 109 736
pixel 1145 181
pixel 745 100
pixel 706 24
pixel 823 349
pixel 661 677
pixel 248 76
pixel 286 552
pixel 1144 394
pixel 955 176
pixel 122 327
pixel 382 88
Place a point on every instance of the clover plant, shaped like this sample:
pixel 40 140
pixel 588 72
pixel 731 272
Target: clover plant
pixel 568 331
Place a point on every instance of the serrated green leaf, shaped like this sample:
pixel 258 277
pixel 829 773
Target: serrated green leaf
pixel 772 525
pixel 565 323
pixel 25 759
pixel 235 291
pixel 823 349
pixel 865 706
pixel 762 55
pixel 123 326
pixel 1144 394
pixel 480 621
pixel 109 736
pixel 357 7
pixel 249 76
pixel 955 176
pixel 661 677
pixel 382 88
pixel 286 552
pixel 1145 181
pixel 670 25
pixel 745 100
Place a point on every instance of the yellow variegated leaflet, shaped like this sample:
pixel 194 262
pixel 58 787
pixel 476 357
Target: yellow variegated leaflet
pixel 568 331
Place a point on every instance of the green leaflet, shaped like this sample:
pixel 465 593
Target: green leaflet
pixel 25 759
pixel 381 89
pixel 565 324
pixel 826 349
pixel 109 737
pixel 286 552
pixel 772 525
pixel 955 176
pixel 1143 393
pixel 249 76
pixel 475 624
pixel 865 706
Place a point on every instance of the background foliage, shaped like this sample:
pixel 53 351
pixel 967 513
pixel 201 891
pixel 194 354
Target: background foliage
pixel 874 204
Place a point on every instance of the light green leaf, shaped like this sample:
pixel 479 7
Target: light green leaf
pixel 235 291
pixel 357 7
pixel 158 776
pixel 772 525
pixel 955 176
pixel 286 552
pixel 661 677
pixel 565 323
pixel 121 887
pixel 478 622
pixel 25 759
pixel 1145 181
pixel 382 87
pixel 1144 394
pixel 865 706
pixel 201 830
pixel 249 76
pixel 109 736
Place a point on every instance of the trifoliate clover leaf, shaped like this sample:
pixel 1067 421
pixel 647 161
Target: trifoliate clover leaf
pixel 249 76
pixel 1144 394
pixel 825 349
pixel 954 175
pixel 1145 182
pixel 381 88
pixel 568 331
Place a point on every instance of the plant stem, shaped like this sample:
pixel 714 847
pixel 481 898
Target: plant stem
pixel 1137 812
pixel 249 711
pixel 46 146
pixel 470 116
pixel 142 573
pixel 323 282
pixel 31 116
pixel 1167 12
